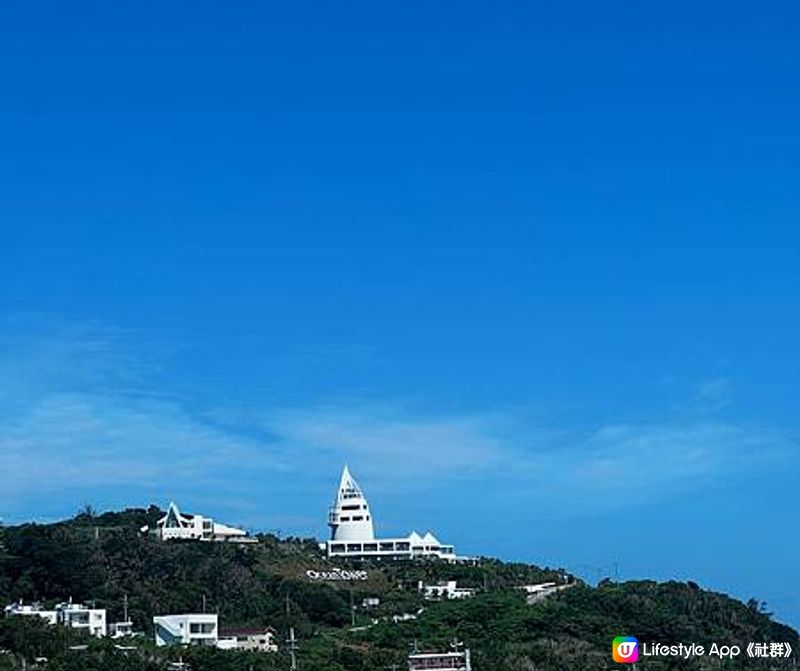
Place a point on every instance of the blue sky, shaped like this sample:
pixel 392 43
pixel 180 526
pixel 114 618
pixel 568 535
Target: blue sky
pixel 533 271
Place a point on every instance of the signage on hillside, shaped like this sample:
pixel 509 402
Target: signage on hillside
pixel 335 574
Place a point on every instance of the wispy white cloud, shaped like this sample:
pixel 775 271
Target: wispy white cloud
pixel 604 466
pixel 391 440
pixel 75 413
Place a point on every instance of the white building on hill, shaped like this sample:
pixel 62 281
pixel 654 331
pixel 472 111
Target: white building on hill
pixel 251 639
pixel 445 590
pixel 186 629
pixel 536 593
pixel 353 536
pixel 79 616
pixel 50 616
pixel 453 661
pixel 68 614
pixel 178 525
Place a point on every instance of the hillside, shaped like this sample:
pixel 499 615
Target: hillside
pixel 103 558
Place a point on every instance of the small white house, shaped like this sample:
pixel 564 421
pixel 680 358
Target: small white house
pixel 186 629
pixel 536 593
pixel 120 629
pixel 452 661
pixel 50 616
pixel 79 616
pixel 68 614
pixel 253 639
pixel 445 590
pixel 178 525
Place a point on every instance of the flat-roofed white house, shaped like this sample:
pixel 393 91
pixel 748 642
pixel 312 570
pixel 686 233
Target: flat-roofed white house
pixel 445 590
pixel 120 629
pixel 454 661
pixel 68 614
pixel 186 629
pixel 32 609
pixel 353 535
pixel 252 639
pixel 79 616
pixel 178 525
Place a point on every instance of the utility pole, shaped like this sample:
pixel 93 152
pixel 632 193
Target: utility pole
pixel 292 649
pixel 125 608
pixel 204 603
pixel 352 610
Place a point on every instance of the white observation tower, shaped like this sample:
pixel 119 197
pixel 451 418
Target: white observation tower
pixel 350 518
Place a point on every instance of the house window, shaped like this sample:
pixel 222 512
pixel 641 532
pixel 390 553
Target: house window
pixel 357 518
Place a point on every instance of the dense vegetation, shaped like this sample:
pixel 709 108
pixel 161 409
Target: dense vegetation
pixel 103 558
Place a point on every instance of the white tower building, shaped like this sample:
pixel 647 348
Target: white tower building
pixel 350 518
pixel 353 537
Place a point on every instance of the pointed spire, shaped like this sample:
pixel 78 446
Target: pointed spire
pixel 350 518
pixel 347 484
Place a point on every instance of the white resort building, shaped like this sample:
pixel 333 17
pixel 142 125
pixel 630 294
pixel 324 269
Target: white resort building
pixel 353 535
pixel 68 614
pixel 178 525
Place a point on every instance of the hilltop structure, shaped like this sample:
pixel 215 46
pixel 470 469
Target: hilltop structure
pixel 353 535
pixel 178 525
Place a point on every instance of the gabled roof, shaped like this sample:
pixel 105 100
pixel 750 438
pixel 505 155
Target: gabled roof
pixel 430 539
pixel 173 513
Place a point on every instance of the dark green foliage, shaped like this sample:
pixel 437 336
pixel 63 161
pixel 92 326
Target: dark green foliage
pixel 88 561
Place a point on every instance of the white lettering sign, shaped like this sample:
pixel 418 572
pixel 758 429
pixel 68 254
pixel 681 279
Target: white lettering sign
pixel 336 574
